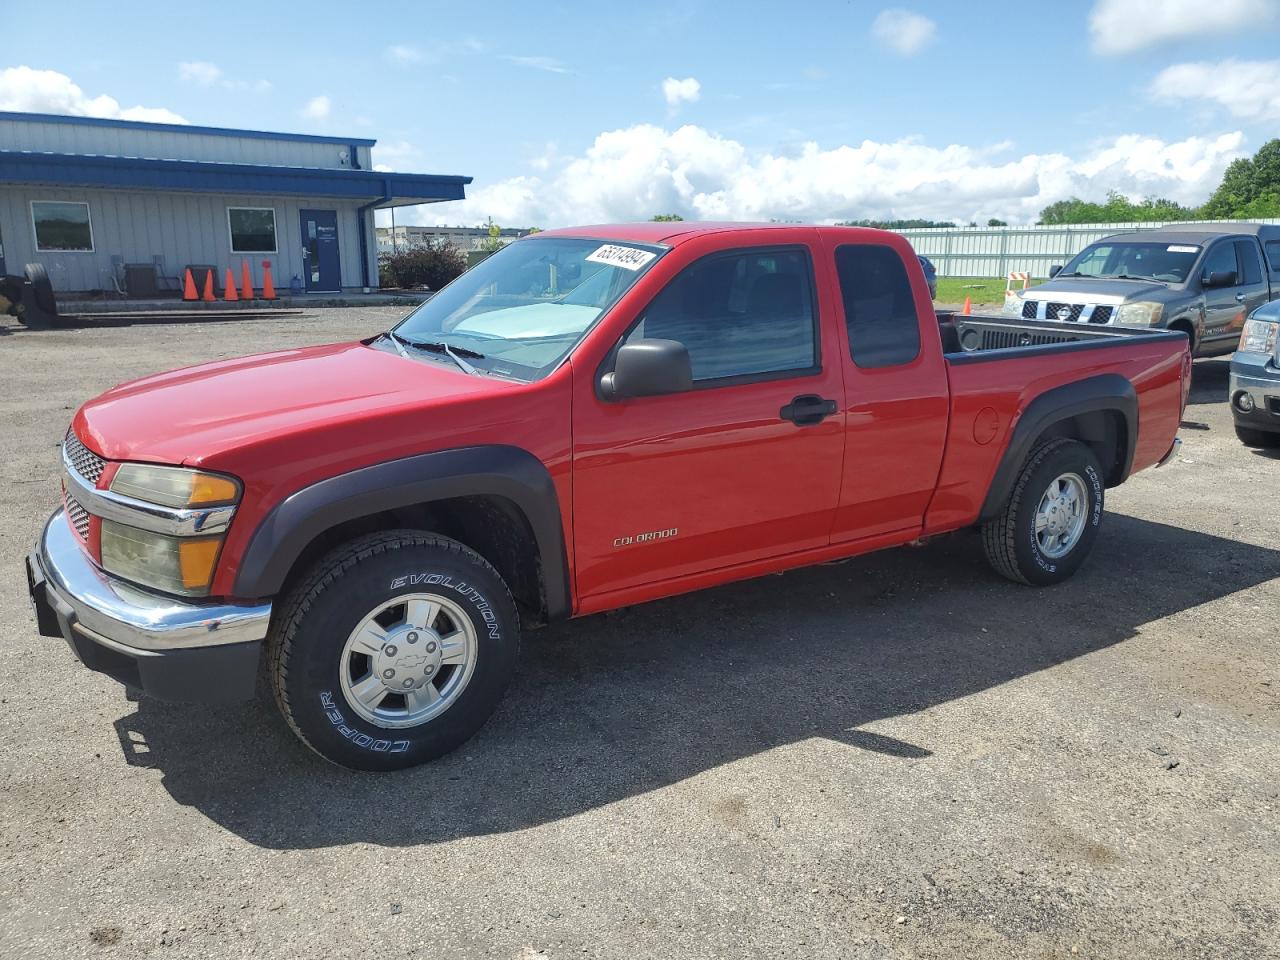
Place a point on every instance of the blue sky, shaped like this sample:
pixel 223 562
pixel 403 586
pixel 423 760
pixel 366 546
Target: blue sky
pixel 811 111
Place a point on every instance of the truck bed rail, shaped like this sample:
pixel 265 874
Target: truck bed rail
pixel 976 334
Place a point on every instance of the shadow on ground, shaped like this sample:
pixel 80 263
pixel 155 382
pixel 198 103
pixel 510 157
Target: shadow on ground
pixel 1209 381
pixel 611 706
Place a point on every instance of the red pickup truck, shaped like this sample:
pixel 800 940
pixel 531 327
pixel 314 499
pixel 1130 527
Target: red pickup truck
pixel 590 418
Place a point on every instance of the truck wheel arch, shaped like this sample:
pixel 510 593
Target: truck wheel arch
pixel 1102 411
pixel 1188 326
pixel 512 479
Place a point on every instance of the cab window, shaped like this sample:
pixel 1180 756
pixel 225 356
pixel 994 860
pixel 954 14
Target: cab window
pixel 742 315
pixel 1221 259
pixel 1247 257
pixel 879 309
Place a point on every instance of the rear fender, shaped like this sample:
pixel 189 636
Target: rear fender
pixel 1104 393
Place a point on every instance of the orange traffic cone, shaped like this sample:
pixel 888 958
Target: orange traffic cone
pixel 208 287
pixel 968 306
pixel 246 281
pixel 229 291
pixel 189 287
pixel 268 288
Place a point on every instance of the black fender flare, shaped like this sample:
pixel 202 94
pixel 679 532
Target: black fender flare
pixel 493 470
pixel 1102 393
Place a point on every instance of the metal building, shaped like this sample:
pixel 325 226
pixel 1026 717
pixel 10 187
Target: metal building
pixel 120 206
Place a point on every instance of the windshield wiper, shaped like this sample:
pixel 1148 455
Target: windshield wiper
pixel 439 346
pixel 1125 276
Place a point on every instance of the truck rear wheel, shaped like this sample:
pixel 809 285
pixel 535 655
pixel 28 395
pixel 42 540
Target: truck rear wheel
pixel 394 650
pixel 1051 519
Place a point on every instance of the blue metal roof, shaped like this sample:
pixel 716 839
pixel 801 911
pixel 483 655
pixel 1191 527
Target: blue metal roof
pixel 137 173
pixel 182 128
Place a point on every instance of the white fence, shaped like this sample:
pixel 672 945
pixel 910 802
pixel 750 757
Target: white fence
pixel 994 251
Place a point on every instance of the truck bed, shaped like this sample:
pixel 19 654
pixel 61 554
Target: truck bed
pixel 963 334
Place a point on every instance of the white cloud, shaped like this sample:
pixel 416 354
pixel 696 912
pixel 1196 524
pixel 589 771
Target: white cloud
pixel 1247 88
pixel 1122 26
pixel 549 64
pixel 405 54
pixel 317 108
pixel 636 172
pixel 206 74
pixel 906 33
pixel 200 72
pixel 47 91
pixel 677 92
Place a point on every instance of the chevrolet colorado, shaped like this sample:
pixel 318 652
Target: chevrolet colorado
pixel 590 418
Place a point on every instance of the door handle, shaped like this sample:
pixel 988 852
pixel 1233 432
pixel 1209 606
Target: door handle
pixel 1239 298
pixel 807 410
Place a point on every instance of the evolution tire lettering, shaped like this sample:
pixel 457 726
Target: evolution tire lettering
pixel 649 537
pixel 362 740
pixel 477 599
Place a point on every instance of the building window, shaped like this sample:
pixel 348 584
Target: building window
pixel 62 227
pixel 253 229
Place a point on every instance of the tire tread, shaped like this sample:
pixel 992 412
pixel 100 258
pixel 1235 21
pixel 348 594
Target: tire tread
pixel 322 575
pixel 998 534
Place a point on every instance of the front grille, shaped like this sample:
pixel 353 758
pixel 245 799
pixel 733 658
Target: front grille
pixel 1003 339
pixel 1101 314
pixel 1029 308
pixel 1073 312
pixel 85 462
pixel 77 515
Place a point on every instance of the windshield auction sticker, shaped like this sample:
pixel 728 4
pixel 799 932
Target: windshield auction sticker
pixel 1179 248
pixel 628 258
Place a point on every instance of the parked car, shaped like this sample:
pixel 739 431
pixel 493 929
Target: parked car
pixel 1201 279
pixel 589 419
pixel 930 276
pixel 1255 379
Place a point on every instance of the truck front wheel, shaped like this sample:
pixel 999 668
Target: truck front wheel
pixel 1051 519
pixel 393 650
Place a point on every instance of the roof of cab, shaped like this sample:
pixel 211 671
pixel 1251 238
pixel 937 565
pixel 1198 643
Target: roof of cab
pixel 662 231
pixel 1200 232
pixel 670 233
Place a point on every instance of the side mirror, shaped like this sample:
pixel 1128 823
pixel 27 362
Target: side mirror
pixel 648 368
pixel 1220 278
pixel 1055 270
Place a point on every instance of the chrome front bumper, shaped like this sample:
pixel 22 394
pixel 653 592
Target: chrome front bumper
pixel 168 647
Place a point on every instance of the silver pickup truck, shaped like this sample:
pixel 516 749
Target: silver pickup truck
pixel 1203 279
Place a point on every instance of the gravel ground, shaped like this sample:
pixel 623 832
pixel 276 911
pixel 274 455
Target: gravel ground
pixel 899 756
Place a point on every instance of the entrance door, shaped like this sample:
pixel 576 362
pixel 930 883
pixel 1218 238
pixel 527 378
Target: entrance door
pixel 321 268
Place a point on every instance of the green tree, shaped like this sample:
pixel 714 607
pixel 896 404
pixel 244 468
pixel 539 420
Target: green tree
pixel 1250 187
pixel 993 222
pixel 896 224
pixel 666 218
pixel 1117 209
pixel 493 243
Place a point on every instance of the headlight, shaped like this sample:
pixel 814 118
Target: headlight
pixel 1142 314
pixel 174 486
pixel 1013 302
pixel 182 565
pixel 175 564
pixel 1259 336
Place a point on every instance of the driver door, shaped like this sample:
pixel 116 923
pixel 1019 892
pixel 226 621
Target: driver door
pixel 728 472
pixel 1223 306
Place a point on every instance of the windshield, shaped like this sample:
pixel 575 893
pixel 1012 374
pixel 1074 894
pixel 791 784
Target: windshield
pixel 519 312
pixel 1166 262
